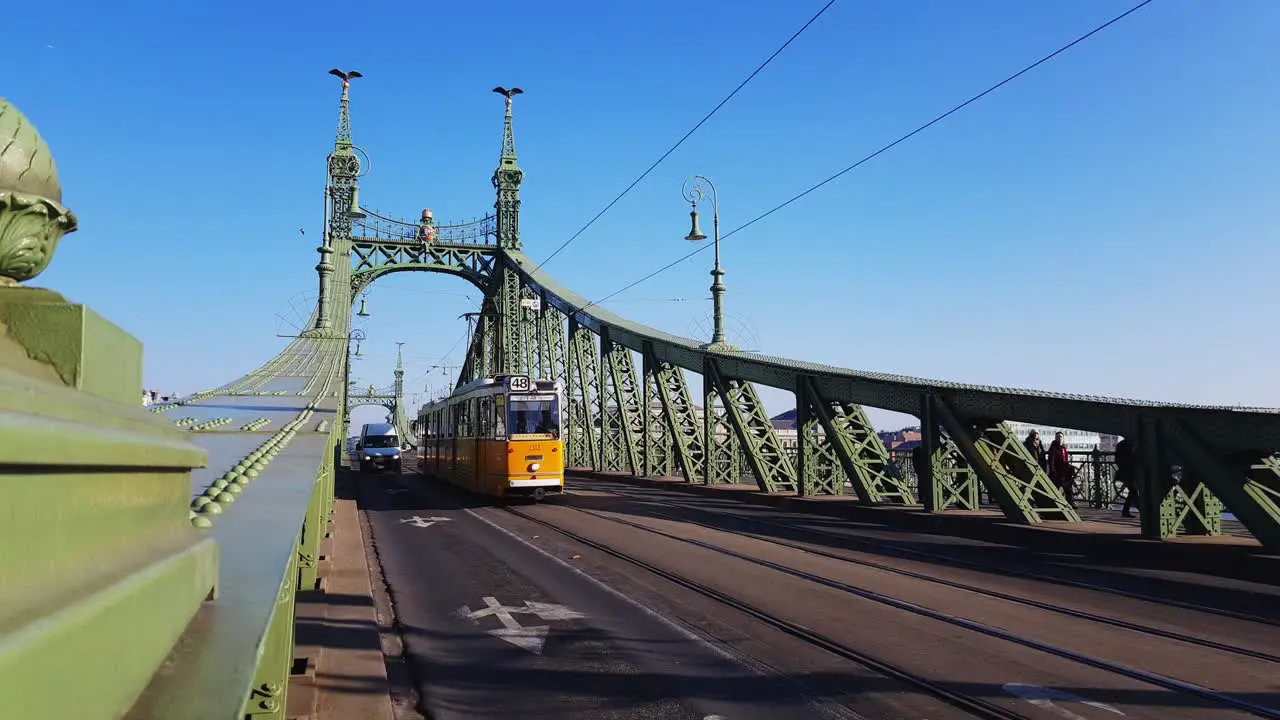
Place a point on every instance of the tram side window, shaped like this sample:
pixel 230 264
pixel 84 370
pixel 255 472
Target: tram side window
pixel 485 417
pixel 539 417
pixel 500 416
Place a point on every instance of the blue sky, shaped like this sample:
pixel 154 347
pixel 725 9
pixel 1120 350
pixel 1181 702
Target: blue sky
pixel 1100 225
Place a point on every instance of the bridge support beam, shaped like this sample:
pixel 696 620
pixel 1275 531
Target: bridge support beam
pixel 836 442
pixel 1181 503
pixel 754 430
pixel 673 432
pixel 506 295
pixel 583 398
pixel 552 354
pixel 723 458
pixel 624 422
pixel 1014 478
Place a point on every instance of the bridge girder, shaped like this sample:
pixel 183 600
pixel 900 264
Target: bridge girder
pixel 647 426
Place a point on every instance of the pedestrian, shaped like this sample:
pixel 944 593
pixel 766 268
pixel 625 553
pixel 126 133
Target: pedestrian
pixel 1061 471
pixel 1035 446
pixel 1126 475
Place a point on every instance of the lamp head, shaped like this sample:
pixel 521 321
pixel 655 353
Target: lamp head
pixel 695 232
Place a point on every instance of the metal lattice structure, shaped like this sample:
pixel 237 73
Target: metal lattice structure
pixel 391 398
pixel 211 573
pixel 630 408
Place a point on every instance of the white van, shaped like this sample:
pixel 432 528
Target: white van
pixel 378 448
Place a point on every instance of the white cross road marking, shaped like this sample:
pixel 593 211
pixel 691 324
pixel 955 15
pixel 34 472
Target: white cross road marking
pixel 531 638
pixel 422 522
pixel 1044 698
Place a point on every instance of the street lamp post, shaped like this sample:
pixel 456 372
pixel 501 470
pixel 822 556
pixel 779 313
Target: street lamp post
pixel 694 192
pixel 359 336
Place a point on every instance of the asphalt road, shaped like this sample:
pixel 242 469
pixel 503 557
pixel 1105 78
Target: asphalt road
pixel 504 617
pixel 495 627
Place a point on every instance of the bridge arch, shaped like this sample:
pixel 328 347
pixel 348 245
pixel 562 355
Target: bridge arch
pixel 371 260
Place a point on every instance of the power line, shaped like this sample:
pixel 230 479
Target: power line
pixel 444 360
pixel 707 117
pixel 885 148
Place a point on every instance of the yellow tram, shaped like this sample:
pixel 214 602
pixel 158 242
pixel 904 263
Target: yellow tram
pixel 498 436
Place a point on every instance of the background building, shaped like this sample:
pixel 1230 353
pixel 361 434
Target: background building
pixel 1077 440
pixel 151 397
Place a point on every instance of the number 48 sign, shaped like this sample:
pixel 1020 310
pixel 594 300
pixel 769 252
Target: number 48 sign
pixel 519 383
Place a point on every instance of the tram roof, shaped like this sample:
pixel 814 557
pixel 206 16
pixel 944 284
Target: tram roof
pixel 539 385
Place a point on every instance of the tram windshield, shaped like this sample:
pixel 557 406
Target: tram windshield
pixel 528 416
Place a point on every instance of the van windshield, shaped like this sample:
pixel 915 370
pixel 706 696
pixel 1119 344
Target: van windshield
pixel 381 441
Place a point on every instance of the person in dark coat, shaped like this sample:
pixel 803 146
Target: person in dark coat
pixel 1035 446
pixel 1126 473
pixel 1061 472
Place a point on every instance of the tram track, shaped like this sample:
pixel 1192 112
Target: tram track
pixel 976 705
pixel 880 545
pixel 955 584
pixel 979 707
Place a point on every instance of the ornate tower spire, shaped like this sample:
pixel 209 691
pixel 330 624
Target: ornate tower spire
pixel 344 168
pixel 343 140
pixel 506 179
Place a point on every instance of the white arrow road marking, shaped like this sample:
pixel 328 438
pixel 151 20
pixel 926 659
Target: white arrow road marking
pixel 550 611
pixel 529 638
pixel 1043 698
pixel 424 522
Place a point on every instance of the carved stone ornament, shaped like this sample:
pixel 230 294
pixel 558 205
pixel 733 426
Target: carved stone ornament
pixel 32 218
pixel 30 228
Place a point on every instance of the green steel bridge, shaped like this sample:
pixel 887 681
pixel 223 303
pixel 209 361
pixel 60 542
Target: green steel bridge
pixel 155 553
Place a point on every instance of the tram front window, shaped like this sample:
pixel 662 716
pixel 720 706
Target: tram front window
pixel 533 417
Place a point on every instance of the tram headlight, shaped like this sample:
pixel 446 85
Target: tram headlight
pixel 533 467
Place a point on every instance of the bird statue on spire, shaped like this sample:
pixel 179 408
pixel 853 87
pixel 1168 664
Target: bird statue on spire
pixel 347 77
pixel 508 94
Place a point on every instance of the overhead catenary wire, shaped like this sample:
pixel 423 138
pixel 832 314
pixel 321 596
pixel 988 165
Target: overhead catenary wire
pixel 444 361
pixel 880 151
pixel 687 135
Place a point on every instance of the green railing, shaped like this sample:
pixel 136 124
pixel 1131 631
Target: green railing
pixel 1094 486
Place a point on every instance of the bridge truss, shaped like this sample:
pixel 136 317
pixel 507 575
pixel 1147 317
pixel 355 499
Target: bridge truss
pixel 199 521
